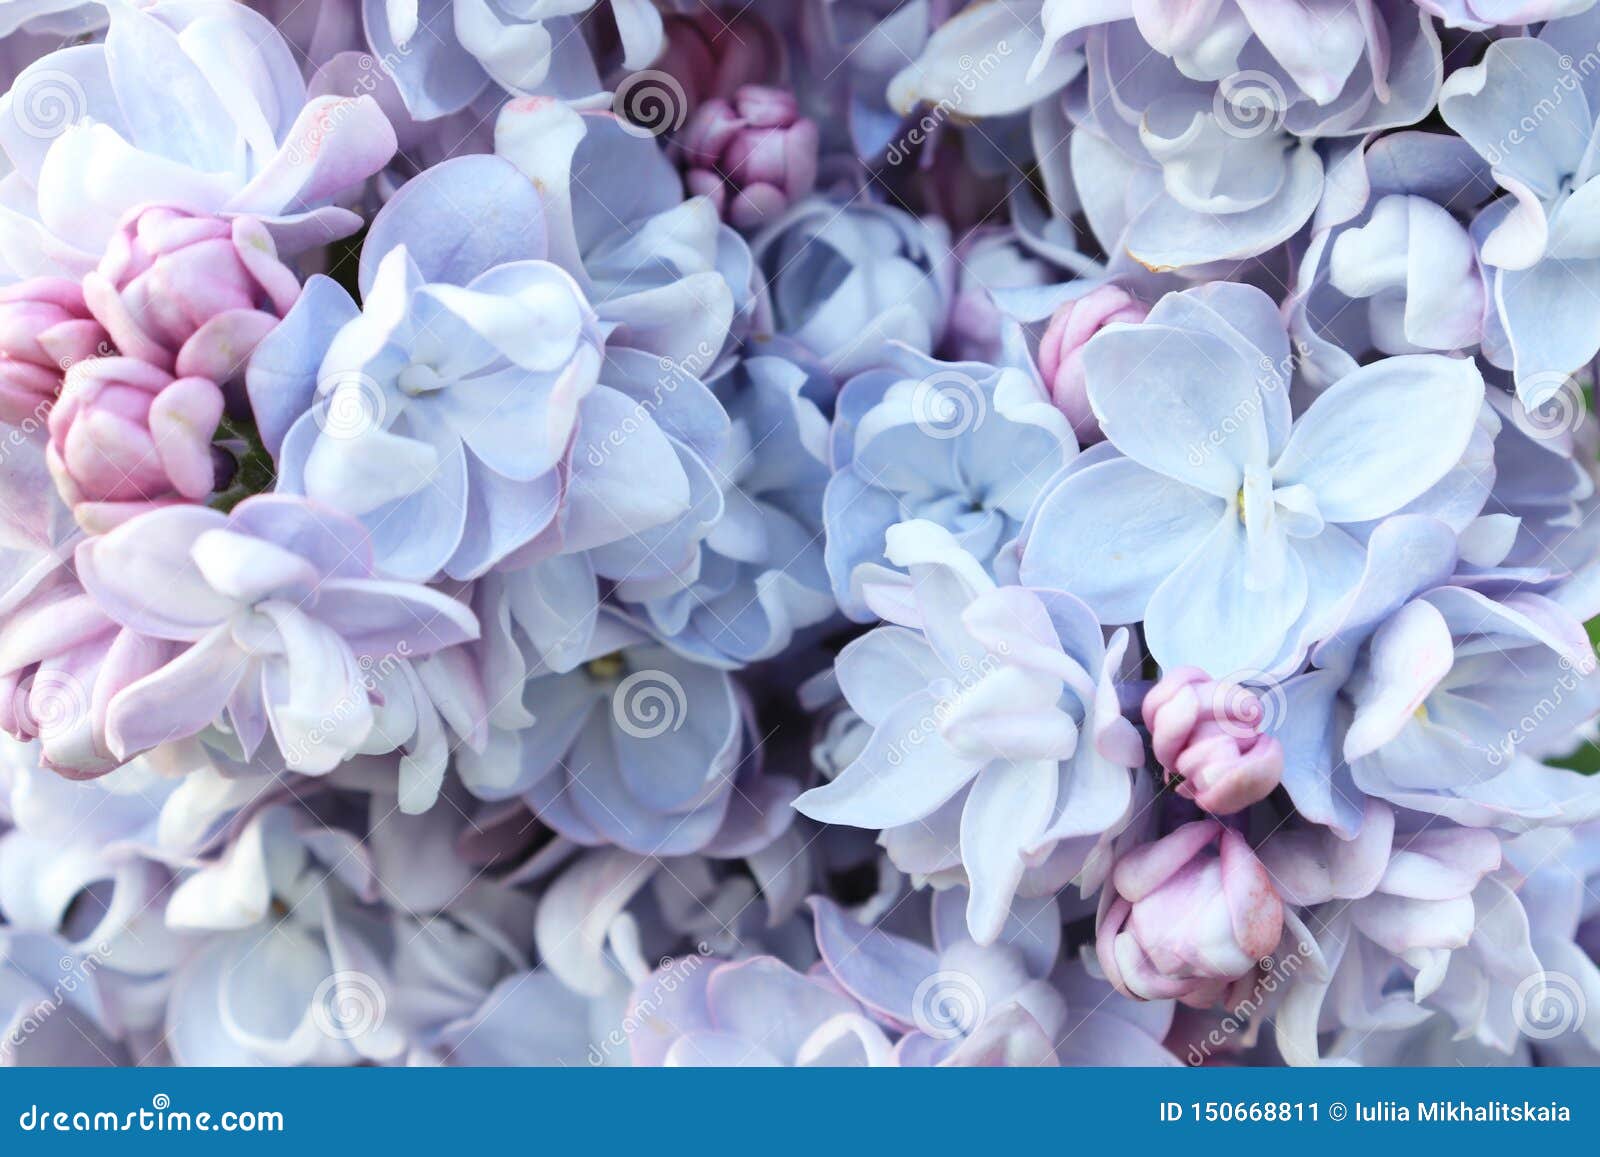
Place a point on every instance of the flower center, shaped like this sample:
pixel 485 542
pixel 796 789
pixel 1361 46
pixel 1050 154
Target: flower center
pixel 606 667
pixel 417 379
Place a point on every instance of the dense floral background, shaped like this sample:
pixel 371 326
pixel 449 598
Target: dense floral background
pixel 799 532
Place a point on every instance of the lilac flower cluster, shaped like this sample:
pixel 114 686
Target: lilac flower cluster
pixel 804 532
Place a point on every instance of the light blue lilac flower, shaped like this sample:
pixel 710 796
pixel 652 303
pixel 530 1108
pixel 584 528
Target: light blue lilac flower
pixel 1536 239
pixel 1321 47
pixel 999 756
pixel 1221 529
pixel 1559 867
pixel 1474 14
pixel 961 444
pixel 633 745
pixel 1209 155
pixel 752 1013
pixel 97 138
pixel 90 870
pixel 991 261
pixel 288 960
pixel 411 413
pixel 1390 269
pixel 445 52
pixel 266 614
pixel 760 574
pixel 1439 698
pixel 422 711
pixel 957 1003
pixel 1402 920
pixel 844 279
pixel 987 61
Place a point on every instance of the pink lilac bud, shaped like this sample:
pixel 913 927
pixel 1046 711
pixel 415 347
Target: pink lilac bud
pixel 1207 735
pixel 714 54
pixel 1061 350
pixel 126 437
pixel 1188 917
pixel 190 294
pixel 44 328
pixel 753 158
